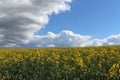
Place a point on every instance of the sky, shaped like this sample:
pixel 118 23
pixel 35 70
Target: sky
pixel 59 23
pixel 98 18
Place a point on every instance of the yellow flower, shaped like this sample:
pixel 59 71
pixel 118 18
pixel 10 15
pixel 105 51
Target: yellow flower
pixel 114 70
pixel 79 62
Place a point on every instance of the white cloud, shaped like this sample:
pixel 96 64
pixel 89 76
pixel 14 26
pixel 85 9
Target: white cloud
pixel 20 19
pixel 113 40
pixel 51 45
pixel 63 39
pixel 69 39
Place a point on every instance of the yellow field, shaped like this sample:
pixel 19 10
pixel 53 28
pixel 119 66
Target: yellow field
pixel 86 63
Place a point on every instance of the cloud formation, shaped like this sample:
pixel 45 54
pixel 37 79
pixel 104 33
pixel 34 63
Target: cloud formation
pixel 63 39
pixel 69 39
pixel 20 19
pixel 113 40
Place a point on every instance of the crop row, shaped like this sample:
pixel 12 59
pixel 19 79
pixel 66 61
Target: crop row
pixel 86 63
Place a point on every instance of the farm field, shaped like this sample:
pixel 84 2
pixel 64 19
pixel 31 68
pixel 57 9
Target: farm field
pixel 80 63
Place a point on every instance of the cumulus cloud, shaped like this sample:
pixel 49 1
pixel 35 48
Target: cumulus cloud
pixel 20 19
pixel 63 39
pixel 69 39
pixel 113 40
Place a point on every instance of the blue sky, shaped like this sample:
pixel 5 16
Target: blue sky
pixel 97 18
pixel 59 23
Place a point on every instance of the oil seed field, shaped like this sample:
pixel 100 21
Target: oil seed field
pixel 80 63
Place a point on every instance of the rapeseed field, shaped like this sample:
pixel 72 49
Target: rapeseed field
pixel 80 63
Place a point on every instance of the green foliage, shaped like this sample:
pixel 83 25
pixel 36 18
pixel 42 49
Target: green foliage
pixel 85 63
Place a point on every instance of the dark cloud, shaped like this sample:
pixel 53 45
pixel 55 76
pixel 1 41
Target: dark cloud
pixel 20 19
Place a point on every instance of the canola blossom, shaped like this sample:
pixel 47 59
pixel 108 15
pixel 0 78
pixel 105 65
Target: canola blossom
pixel 80 63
